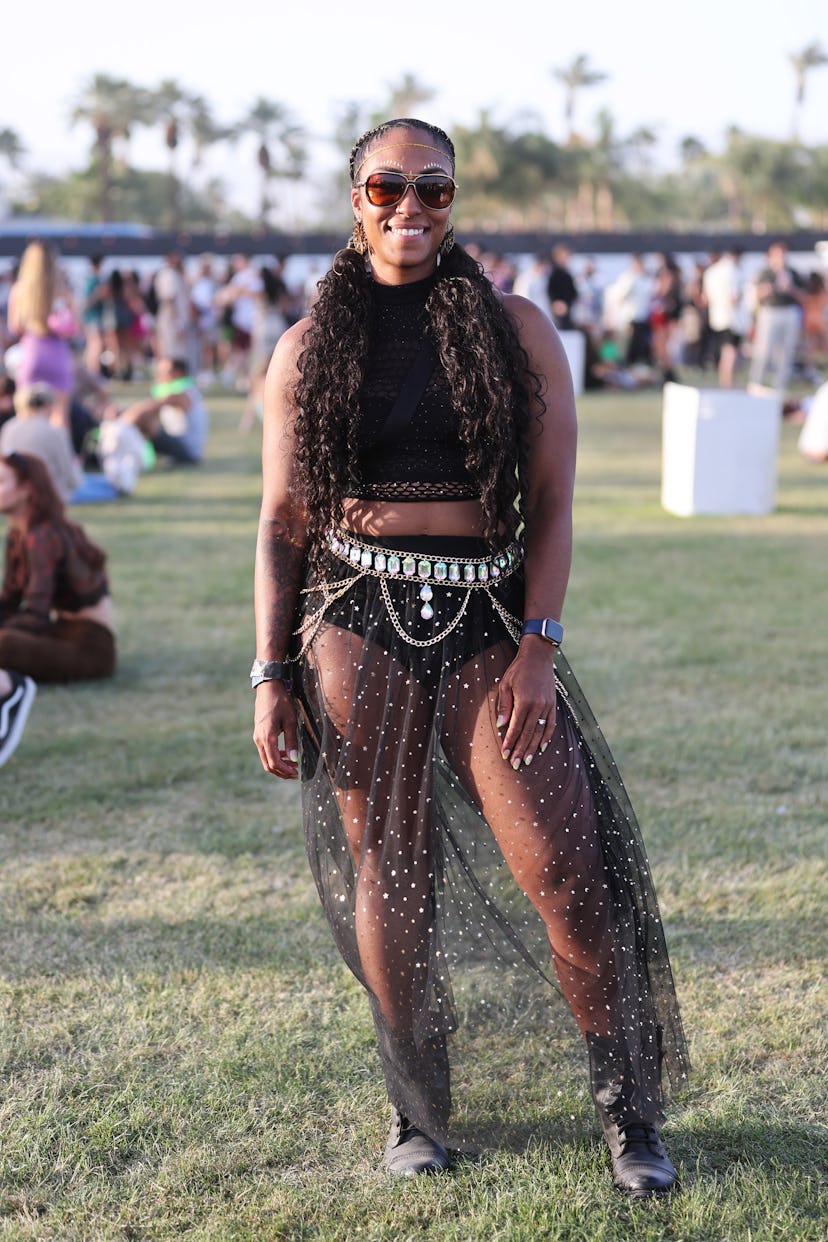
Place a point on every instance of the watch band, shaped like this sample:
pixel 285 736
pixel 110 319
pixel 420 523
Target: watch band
pixel 547 627
pixel 270 670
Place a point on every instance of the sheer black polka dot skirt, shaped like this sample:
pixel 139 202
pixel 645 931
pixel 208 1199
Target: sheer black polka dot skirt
pixel 470 900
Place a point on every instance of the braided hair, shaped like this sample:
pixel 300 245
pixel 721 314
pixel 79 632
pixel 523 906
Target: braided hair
pixel 363 145
pixel 491 384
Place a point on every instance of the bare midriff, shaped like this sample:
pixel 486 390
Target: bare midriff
pixel 412 517
pixel 102 613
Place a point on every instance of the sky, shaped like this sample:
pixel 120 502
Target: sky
pixel 684 69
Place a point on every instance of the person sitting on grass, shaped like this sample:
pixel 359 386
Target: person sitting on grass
pixel 7 391
pixel 32 430
pixel 811 413
pixel 174 418
pixel 56 617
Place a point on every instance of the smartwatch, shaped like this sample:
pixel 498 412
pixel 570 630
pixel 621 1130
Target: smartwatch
pixel 547 628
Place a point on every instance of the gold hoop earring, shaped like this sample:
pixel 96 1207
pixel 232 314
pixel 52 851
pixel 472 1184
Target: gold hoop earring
pixel 358 242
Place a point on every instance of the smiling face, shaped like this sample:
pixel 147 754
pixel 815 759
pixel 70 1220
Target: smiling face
pixel 403 239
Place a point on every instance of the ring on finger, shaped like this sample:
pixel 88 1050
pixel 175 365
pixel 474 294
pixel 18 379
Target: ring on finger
pixel 541 720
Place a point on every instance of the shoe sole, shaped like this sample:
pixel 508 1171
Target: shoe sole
pixel 657 1192
pixel 29 690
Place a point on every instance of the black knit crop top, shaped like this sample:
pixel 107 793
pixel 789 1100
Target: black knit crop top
pixel 425 460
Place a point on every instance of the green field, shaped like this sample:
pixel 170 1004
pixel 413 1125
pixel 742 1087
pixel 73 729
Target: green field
pixel 184 1055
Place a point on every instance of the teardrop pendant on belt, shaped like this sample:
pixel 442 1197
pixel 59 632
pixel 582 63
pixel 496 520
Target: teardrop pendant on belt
pixel 426 593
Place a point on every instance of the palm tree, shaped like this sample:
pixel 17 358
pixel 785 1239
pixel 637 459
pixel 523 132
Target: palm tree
pixel 640 144
pixel 510 179
pixel 607 161
pixel 205 131
pixel 766 176
pixel 171 106
pixel 280 151
pixel 184 115
pixel 691 149
pixel 113 107
pixel 811 57
pixel 575 76
pixel 12 149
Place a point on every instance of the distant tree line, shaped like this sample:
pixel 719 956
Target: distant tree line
pixel 515 177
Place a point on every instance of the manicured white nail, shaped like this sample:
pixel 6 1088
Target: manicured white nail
pixel 528 760
pixel 293 756
pixel 516 763
pixel 543 748
pixel 501 720
pixel 504 754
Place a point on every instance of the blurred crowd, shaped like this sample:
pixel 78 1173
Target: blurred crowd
pixel 221 320
pixel 66 440
pixel 659 320
pixel 184 328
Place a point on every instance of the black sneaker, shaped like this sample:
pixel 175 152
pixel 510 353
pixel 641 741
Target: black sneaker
pixel 14 711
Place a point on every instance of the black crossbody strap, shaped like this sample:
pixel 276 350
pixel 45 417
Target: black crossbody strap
pixel 414 385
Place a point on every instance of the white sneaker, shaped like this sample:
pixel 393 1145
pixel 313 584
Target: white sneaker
pixel 14 711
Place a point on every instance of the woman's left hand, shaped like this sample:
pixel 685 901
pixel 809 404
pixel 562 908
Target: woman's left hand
pixel 525 702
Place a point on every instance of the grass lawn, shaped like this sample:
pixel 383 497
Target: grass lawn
pixel 184 1055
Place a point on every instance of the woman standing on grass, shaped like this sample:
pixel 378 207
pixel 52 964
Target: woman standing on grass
pixel 56 621
pixel 44 353
pixel 462 813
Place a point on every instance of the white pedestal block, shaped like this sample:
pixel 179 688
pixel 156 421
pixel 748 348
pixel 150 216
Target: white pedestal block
pixel 719 451
pixel 575 349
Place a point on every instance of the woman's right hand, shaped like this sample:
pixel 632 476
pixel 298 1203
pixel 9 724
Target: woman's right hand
pixel 274 730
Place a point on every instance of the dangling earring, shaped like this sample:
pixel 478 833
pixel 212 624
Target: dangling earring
pixel 446 244
pixel 358 242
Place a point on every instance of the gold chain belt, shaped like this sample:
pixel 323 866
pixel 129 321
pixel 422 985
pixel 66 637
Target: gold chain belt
pixel 467 573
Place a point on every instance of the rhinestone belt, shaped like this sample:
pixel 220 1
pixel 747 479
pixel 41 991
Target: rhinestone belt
pixel 458 570
pixel 469 573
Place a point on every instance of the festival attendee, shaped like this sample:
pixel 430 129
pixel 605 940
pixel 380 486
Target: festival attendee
pixel 531 283
pixel 32 430
pixel 7 278
pixel 631 301
pixel 172 317
pixel 44 355
pixel 242 295
pixel 723 286
pixel 696 343
pixel 812 413
pixel 779 295
pixel 462 813
pixel 814 325
pixel 270 319
pixel 137 340
pixel 174 418
pixel 117 324
pixel 561 289
pixel 7 390
pixel 56 616
pixel 665 316
pixel 95 293
pixel 269 324
pixel 588 311
pixel 203 291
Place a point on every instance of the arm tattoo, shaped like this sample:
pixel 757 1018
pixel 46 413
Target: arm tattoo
pixel 280 557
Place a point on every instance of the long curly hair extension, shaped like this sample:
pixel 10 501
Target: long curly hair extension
pixel 492 386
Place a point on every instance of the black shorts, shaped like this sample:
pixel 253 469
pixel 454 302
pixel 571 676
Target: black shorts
pixel 726 336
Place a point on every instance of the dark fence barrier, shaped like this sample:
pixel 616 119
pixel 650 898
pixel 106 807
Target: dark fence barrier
pixel 136 241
